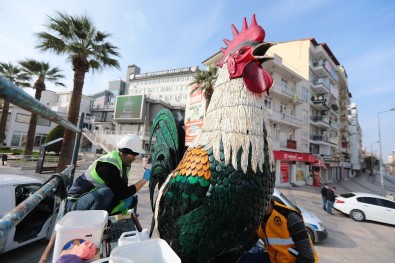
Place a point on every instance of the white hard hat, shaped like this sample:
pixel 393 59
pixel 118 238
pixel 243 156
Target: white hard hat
pixel 131 142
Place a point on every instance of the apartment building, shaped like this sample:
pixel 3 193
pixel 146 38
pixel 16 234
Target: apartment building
pixel 355 141
pixel 329 125
pixel 170 85
pixel 18 119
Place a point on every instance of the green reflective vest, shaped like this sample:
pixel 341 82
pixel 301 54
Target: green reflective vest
pixel 112 158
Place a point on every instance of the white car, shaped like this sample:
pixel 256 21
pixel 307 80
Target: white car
pixel 362 206
pixel 315 228
pixel 38 224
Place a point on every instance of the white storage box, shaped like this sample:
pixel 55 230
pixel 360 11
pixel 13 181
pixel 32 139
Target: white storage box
pixel 77 227
pixel 149 251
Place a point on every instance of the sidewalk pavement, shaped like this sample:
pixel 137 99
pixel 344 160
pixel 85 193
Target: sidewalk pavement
pixel 362 183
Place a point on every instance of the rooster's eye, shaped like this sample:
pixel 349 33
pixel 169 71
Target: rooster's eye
pixel 242 51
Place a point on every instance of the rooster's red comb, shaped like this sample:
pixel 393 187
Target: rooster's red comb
pixel 248 36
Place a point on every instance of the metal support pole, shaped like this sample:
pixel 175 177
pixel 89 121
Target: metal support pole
pixel 76 149
pixel 381 159
pixel 371 157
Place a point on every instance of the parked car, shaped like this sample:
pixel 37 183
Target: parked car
pixel 314 225
pixel 38 224
pixel 362 206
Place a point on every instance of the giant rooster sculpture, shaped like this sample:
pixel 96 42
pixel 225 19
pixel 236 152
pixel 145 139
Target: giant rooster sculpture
pixel 210 204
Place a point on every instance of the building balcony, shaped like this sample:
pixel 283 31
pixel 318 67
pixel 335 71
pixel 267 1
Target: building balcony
pixel 319 68
pixel 323 68
pixel 323 138
pixel 320 121
pixel 333 140
pixel 334 125
pixel 285 118
pixel 319 102
pixel 284 92
pixel 321 85
pixel 335 108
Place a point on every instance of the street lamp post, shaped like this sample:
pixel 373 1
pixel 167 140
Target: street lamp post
pixel 381 152
pixel 371 157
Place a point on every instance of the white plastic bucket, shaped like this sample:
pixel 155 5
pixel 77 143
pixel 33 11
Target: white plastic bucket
pixel 113 260
pixel 133 237
pixel 149 251
pixel 77 227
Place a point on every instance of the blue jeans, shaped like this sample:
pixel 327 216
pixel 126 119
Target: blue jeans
pixel 99 199
pixel 324 201
pixel 329 208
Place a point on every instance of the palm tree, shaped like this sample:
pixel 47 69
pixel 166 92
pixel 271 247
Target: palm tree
pixel 15 75
pixel 44 73
pixel 205 80
pixel 86 48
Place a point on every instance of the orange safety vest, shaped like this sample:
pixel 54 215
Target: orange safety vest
pixel 276 236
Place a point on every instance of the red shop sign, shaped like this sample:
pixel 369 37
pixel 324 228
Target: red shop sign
pixel 291 156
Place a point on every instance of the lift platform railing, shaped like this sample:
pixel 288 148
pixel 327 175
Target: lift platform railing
pixel 17 96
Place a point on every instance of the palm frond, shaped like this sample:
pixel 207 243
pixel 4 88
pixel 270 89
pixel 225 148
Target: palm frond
pixel 43 71
pixel 78 37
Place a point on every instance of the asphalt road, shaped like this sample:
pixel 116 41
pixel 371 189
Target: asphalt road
pixel 348 240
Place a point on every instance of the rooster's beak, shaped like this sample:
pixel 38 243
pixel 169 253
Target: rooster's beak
pixel 260 50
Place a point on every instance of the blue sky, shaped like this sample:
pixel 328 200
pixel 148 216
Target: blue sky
pixel 158 35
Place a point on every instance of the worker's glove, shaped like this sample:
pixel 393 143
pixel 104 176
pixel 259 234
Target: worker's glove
pixel 147 175
pixel 126 203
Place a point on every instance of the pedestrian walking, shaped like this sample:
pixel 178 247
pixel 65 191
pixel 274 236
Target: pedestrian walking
pixel 324 190
pixel 4 158
pixel 330 196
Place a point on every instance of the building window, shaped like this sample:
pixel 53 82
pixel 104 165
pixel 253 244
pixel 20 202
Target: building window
pixel 305 94
pixel 268 103
pixel 284 83
pixel 283 107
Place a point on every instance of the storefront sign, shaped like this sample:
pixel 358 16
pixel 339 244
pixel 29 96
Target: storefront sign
pixel 298 157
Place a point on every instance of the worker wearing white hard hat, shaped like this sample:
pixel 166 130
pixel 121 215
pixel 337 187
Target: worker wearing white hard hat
pixel 104 185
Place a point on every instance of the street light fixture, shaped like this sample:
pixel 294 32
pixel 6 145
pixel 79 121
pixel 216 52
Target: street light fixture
pixel 371 157
pixel 381 152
